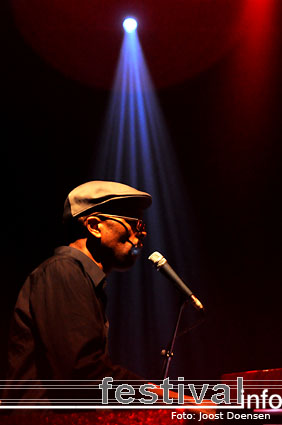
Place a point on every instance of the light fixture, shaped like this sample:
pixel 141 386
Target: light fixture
pixel 129 24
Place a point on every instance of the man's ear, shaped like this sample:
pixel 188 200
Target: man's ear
pixel 92 225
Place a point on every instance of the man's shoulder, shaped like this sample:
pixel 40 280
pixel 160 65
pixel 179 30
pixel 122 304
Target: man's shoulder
pixel 57 263
pixel 67 265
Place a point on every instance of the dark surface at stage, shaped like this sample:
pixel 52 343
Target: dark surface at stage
pixel 225 126
pixel 103 417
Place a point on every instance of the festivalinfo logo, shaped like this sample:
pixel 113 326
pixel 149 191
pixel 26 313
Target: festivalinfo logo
pixel 165 394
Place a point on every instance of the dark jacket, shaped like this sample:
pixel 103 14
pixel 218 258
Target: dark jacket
pixel 59 332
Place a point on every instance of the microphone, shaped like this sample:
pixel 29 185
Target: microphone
pixel 135 249
pixel 161 264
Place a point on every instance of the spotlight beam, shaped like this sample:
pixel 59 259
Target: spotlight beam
pixel 135 149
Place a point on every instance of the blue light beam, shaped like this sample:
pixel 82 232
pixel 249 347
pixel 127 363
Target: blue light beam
pixel 135 149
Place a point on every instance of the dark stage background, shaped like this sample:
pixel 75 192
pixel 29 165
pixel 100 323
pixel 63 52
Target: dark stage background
pixel 224 121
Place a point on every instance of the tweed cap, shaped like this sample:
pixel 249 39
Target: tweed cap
pixel 94 195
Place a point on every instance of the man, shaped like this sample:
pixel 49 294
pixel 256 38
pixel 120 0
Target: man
pixel 59 328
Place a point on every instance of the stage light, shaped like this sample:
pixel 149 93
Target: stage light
pixel 129 24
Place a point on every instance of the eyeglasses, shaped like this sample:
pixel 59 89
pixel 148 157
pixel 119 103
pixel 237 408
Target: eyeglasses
pixel 137 224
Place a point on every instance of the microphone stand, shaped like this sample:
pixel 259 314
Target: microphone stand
pixel 168 354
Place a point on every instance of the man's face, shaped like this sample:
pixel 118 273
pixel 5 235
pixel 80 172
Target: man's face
pixel 118 236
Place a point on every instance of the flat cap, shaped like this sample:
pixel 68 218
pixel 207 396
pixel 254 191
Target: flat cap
pixel 95 195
